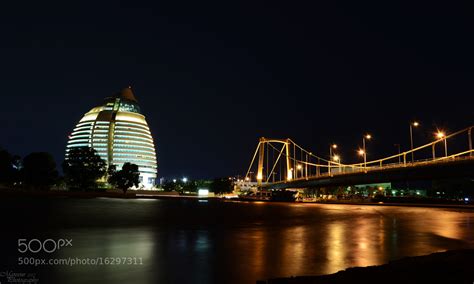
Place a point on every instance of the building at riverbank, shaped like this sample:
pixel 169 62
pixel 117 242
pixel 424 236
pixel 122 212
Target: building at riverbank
pixel 118 131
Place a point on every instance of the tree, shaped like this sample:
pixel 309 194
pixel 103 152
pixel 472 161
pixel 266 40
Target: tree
pixel 39 170
pixel 190 186
pixel 221 185
pixel 125 178
pixel 172 186
pixel 17 163
pixel 6 167
pixel 83 167
pixel 111 170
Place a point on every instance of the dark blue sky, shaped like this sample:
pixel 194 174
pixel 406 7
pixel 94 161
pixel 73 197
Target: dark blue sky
pixel 212 77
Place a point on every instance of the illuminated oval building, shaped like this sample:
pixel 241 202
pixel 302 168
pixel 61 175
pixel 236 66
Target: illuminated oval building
pixel 118 131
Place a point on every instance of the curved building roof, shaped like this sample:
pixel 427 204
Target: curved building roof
pixel 118 131
pixel 127 94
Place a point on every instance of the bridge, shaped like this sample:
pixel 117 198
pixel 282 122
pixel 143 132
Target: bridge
pixel 282 163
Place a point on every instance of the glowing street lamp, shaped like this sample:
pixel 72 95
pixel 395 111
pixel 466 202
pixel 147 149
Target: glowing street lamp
pixel 332 147
pixel 185 179
pixel 413 124
pixel 441 135
pixel 299 167
pixel 368 137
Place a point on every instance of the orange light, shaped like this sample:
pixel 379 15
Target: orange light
pixel 440 135
pixel 415 123
pixel 361 152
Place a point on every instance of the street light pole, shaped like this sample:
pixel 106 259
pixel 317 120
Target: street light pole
pixel 365 153
pixel 445 147
pixel 441 135
pixel 469 133
pixel 306 167
pixel 415 124
pixel 329 160
pixel 333 146
pixel 368 137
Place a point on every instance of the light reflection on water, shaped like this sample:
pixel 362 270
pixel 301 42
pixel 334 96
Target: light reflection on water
pixel 186 241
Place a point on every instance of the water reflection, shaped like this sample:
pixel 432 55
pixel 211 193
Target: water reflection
pixel 228 242
pixel 336 249
pixel 294 249
pixel 137 245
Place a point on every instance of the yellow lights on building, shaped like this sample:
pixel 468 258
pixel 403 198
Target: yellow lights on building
pixel 131 117
pixel 120 134
pixel 92 115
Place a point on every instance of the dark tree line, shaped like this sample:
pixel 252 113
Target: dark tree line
pixel 37 170
pixel 218 185
pixel 83 169
pixel 126 178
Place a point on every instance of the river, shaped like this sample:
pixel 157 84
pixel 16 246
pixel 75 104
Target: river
pixel 199 241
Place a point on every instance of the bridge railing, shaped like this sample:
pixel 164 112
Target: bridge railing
pixel 314 166
pixel 422 162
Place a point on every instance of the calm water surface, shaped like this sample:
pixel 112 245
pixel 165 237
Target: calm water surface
pixel 188 241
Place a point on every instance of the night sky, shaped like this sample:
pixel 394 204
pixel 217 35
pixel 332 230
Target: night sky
pixel 212 78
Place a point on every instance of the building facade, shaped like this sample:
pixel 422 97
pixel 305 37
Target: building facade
pixel 118 131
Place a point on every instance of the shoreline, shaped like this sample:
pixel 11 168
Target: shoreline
pixel 452 266
pixel 147 194
pixel 407 204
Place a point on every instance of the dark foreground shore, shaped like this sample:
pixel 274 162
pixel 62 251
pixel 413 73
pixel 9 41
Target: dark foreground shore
pixel 455 266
